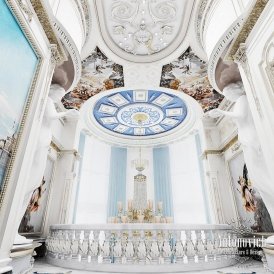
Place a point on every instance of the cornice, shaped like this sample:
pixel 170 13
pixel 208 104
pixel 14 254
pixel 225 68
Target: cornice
pixel 232 142
pixel 246 28
pixel 44 18
pixel 220 48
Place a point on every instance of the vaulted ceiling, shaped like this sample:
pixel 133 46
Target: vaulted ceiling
pixel 147 45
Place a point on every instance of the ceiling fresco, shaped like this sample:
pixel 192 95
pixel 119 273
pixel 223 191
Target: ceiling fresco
pixel 98 74
pixel 140 112
pixel 188 74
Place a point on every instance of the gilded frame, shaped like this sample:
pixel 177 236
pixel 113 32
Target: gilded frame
pixel 18 15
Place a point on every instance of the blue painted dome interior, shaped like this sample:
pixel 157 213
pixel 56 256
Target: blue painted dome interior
pixel 140 112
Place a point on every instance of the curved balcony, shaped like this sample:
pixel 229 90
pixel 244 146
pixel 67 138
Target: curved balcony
pixel 140 247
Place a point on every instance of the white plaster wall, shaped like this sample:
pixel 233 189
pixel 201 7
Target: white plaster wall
pixel 188 200
pixel 227 130
pixel 93 184
pixel 147 154
pixel 258 81
pixel 218 180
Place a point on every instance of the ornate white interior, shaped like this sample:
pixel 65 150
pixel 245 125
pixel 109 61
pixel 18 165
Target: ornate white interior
pixel 143 31
pixel 189 125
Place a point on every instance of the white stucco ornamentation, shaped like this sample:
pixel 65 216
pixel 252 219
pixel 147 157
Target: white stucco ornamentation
pixel 43 144
pixel 143 27
pixel 249 140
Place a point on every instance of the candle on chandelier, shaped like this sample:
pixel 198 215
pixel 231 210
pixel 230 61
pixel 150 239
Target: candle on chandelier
pixel 130 204
pixel 150 204
pixel 120 205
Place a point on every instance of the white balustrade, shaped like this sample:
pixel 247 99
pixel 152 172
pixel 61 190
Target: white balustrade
pixel 140 247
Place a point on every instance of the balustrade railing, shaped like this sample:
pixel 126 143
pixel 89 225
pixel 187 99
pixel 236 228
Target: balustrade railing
pixel 155 247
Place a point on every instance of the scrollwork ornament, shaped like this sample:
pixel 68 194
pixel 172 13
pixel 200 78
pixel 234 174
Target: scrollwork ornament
pixel 163 11
pixel 122 11
pixel 143 27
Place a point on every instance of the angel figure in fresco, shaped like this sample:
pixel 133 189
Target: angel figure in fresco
pixel 33 206
pixel 246 191
pixel 39 162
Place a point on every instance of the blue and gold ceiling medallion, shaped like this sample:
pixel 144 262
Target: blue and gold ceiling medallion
pixel 140 112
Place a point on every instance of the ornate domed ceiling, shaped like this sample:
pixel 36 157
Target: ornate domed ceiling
pixel 140 116
pixel 140 112
pixel 138 29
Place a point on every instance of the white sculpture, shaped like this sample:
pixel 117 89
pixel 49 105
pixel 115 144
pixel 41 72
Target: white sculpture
pixel 43 143
pixel 248 137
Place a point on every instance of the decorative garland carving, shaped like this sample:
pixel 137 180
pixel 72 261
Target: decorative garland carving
pixel 247 27
pixel 45 21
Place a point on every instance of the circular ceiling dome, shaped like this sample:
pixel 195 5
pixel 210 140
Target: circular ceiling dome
pixel 140 112
pixel 141 116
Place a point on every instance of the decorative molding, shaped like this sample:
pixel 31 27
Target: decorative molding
pixel 82 15
pixel 232 142
pixel 27 10
pixel 25 28
pixel 55 147
pixel 203 9
pixel 235 147
pixel 88 19
pixel 241 59
pixel 220 48
pixel 246 28
pixel 270 72
pixel 72 49
pixel 44 18
pixel 240 55
pixel 143 31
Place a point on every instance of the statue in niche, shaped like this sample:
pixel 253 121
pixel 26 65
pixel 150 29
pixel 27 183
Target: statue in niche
pixel 56 93
pixel 248 137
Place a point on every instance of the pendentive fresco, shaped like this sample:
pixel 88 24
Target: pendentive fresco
pixel 188 74
pixel 98 74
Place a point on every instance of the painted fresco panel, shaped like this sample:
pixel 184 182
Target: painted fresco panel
pixel 18 63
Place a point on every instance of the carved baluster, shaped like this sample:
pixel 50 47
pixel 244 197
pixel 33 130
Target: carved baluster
pixel 117 247
pixel 141 249
pixel 200 245
pixel 154 251
pixel 209 246
pixel 79 240
pixel 179 252
pixel 105 248
pixel 189 246
pixel 74 245
pixel 62 244
pixel 129 247
pixel 166 247
pixel 94 248
pixel 83 248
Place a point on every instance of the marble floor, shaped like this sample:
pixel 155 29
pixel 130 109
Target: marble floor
pixel 248 267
